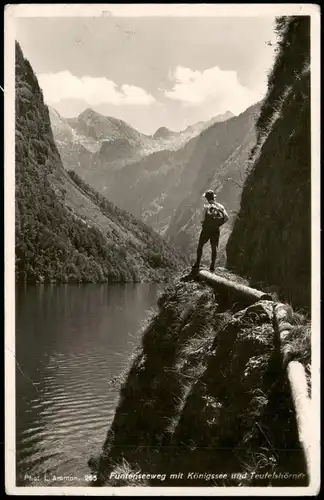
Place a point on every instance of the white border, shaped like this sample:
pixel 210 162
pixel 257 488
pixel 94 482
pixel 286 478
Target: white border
pixel 140 10
pixel 158 9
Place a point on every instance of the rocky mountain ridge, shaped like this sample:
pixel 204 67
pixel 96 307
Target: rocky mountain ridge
pixel 98 133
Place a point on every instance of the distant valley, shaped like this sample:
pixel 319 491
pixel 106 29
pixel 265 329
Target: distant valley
pixel 161 178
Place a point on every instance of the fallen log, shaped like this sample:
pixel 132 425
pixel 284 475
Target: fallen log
pixel 298 385
pixel 236 290
pixel 302 405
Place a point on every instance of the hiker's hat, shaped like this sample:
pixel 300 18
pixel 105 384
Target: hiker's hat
pixel 209 194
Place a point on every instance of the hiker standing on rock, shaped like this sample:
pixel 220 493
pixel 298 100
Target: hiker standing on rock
pixel 215 216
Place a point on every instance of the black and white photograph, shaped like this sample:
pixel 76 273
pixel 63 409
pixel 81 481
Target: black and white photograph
pixel 162 269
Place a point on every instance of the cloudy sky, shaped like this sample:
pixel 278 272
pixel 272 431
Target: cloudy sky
pixel 150 71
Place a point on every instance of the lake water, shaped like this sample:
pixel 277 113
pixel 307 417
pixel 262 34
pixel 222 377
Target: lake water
pixel 70 342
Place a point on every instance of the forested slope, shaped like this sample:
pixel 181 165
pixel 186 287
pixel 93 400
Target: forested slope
pixel 64 232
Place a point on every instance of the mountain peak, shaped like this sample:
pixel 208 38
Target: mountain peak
pixel 228 114
pixel 88 113
pixel 162 132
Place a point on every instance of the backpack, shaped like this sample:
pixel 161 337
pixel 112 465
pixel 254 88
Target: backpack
pixel 214 217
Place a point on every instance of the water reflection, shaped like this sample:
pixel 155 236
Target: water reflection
pixel 70 341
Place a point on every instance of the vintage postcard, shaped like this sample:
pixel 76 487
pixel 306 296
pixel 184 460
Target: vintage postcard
pixel 162 224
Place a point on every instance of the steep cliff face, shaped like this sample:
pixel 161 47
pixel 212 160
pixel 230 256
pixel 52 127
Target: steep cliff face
pixel 271 238
pixel 219 162
pixel 64 230
pixel 206 394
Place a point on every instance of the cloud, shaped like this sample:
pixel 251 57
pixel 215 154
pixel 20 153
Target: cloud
pixel 64 85
pixel 215 87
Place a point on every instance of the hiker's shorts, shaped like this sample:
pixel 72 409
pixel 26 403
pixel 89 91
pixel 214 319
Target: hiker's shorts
pixel 209 234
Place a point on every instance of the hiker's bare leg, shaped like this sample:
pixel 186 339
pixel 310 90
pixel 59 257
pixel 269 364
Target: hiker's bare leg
pixel 213 256
pixel 214 243
pixel 203 238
